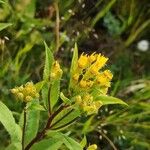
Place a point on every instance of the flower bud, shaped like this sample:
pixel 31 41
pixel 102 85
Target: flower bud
pixel 92 147
pixel 20 95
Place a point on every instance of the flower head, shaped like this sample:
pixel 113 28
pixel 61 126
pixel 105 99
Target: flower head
pixel 56 71
pixel 88 82
pixel 92 147
pixel 88 75
pixel 25 92
pixel 83 61
pixel 87 104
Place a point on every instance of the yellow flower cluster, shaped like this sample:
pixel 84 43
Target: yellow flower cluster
pixel 87 73
pixel 56 71
pixel 87 104
pixel 92 147
pixel 88 81
pixel 25 92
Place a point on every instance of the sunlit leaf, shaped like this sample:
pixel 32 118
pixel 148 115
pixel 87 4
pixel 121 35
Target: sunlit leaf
pixel 8 121
pixel 110 100
pixel 4 25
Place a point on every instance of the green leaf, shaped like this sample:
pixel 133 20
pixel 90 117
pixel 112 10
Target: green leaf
pixel 71 144
pixel 39 86
pixel 30 8
pixel 54 92
pixel 48 62
pixel 65 117
pixel 87 125
pixel 74 62
pixel 14 146
pixel 64 98
pixel 48 144
pixel 32 123
pixel 2 2
pixel 102 12
pixel 8 121
pixel 36 106
pixel 46 74
pixel 4 25
pixel 83 143
pixel 110 100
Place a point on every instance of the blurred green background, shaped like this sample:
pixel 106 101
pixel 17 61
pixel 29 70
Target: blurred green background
pixel 119 29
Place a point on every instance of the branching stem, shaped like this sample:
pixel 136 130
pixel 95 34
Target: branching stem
pixel 24 126
pixel 41 135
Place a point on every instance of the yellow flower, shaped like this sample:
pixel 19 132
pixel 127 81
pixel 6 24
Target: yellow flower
pixel 78 99
pixel 83 83
pixel 28 98
pixel 92 147
pixel 94 69
pixel 92 57
pixel 83 61
pixel 103 80
pixel 108 74
pixel 90 109
pixel 98 64
pixel 101 61
pixel 87 104
pixel 90 83
pixel 76 77
pixel 56 71
pixel 25 93
pixel 88 78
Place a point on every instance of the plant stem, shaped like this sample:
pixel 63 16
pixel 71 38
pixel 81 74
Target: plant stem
pixel 70 122
pixel 24 127
pixel 54 115
pixel 41 135
pixel 110 142
pixel 62 118
pixel 57 26
pixel 49 104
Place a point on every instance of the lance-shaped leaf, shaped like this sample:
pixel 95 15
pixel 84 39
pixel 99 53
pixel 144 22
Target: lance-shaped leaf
pixel 48 62
pixel 54 92
pixel 65 118
pixel 110 100
pixel 64 98
pixel 8 121
pixel 47 69
pixel 48 144
pixel 4 25
pixel 32 122
pixel 70 143
pixel 74 62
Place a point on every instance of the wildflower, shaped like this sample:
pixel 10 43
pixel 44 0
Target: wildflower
pixel 25 93
pixel 76 77
pixel 88 78
pixel 83 61
pixel 92 147
pixel 92 57
pixel 96 66
pixel 101 61
pixel 108 74
pixel 56 71
pixel 90 83
pixel 104 78
pixel 83 83
pixel 78 100
pixel 87 104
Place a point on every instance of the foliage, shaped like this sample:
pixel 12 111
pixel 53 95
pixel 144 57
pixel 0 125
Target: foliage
pixel 112 28
pixel 31 138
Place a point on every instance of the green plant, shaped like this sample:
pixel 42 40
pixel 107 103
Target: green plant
pixel 86 93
